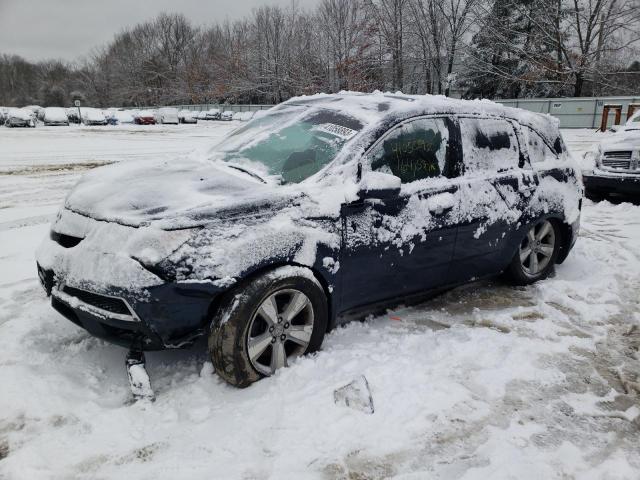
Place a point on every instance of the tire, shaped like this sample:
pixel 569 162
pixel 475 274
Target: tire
pixel 530 265
pixel 264 323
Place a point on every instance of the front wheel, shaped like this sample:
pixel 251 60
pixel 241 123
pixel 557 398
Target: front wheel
pixel 536 255
pixel 264 325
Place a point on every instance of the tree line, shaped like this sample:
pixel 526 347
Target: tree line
pixel 468 48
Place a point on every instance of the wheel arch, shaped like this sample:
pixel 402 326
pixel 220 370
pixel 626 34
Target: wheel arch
pixel 565 229
pixel 566 232
pixel 249 276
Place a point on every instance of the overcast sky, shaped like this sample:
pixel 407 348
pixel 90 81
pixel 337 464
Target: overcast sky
pixel 68 29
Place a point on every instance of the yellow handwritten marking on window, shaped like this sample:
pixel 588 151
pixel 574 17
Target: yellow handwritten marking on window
pixel 407 162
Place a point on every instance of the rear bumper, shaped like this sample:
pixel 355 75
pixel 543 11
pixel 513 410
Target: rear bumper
pixel 165 316
pixel 622 184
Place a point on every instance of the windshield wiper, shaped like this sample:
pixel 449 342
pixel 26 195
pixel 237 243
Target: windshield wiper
pixel 248 172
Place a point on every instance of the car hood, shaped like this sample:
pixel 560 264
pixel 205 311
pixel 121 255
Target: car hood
pixel 622 141
pixel 182 193
pixel 20 115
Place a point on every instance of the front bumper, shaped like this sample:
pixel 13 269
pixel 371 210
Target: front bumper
pixel 597 182
pixel 86 268
pixel 171 315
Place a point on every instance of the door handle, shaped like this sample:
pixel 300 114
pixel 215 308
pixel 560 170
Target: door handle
pixel 440 209
pixel 441 203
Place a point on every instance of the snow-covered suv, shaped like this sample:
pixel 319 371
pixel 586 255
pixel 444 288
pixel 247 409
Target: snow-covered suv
pixel 617 164
pixel 322 209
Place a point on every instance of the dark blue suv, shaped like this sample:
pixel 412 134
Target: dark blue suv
pixel 316 212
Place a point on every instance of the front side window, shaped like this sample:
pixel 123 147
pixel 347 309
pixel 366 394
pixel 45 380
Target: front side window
pixel 489 145
pixel 289 144
pixel 539 151
pixel 413 151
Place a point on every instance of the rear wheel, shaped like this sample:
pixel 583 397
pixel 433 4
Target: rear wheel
pixel 264 325
pixel 536 255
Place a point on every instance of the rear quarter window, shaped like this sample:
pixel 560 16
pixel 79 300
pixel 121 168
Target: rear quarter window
pixel 538 149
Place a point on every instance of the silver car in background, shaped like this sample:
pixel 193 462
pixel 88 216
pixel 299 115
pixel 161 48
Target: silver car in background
pixel 167 115
pixel 20 117
pixel 92 116
pixel 54 116
pixel 187 116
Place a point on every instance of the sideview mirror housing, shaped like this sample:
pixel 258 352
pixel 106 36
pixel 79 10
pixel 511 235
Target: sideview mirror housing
pixel 379 185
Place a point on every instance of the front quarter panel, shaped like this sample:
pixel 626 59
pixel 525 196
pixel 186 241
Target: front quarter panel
pixel 230 250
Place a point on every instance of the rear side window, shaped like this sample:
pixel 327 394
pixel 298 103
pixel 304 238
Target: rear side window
pixel 413 151
pixel 489 145
pixel 539 151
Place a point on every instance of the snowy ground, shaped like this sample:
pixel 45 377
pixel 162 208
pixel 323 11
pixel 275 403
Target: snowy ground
pixel 487 381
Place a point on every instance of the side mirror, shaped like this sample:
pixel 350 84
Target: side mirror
pixel 379 185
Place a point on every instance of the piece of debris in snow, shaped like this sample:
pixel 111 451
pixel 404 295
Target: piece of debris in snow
pixel 355 395
pixel 138 377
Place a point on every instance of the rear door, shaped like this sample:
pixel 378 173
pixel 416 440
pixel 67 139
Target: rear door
pixel 404 245
pixel 494 189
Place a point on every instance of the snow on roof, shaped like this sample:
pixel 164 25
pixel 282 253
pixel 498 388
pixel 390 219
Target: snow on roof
pixel 377 106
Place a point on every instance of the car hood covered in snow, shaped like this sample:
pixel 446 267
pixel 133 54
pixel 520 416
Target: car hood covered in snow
pixel 20 114
pixel 625 140
pixel 181 193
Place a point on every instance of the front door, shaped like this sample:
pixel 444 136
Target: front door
pixel 397 247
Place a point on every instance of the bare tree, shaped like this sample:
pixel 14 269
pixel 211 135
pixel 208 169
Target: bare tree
pixel 390 19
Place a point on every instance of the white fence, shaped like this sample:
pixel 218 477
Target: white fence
pixel 574 112
pixel 580 112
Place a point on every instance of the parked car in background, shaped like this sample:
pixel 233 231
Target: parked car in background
pixel 167 115
pixel 202 115
pixel 633 123
pixel 20 117
pixel 37 110
pixel 92 116
pixel 72 115
pixel 226 116
pixel 323 209
pixel 617 164
pixel 212 114
pixel 124 116
pixel 54 116
pixel 187 116
pixel 110 117
pixel 144 117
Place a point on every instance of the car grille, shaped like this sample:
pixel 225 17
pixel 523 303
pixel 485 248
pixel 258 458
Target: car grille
pixel 622 155
pixel 103 302
pixel 66 241
pixel 619 160
pixel 618 164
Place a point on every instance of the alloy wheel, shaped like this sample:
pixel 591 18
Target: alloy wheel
pixel 280 330
pixel 537 248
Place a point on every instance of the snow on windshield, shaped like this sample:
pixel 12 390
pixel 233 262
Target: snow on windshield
pixel 290 143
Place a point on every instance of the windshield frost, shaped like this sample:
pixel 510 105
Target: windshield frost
pixel 290 143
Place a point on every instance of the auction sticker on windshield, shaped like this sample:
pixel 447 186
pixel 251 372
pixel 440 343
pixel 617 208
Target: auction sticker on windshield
pixel 337 130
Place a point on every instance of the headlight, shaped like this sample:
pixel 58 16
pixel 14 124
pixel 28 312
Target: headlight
pixel 591 159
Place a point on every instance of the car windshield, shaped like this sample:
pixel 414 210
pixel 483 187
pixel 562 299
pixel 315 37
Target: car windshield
pixel 290 143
